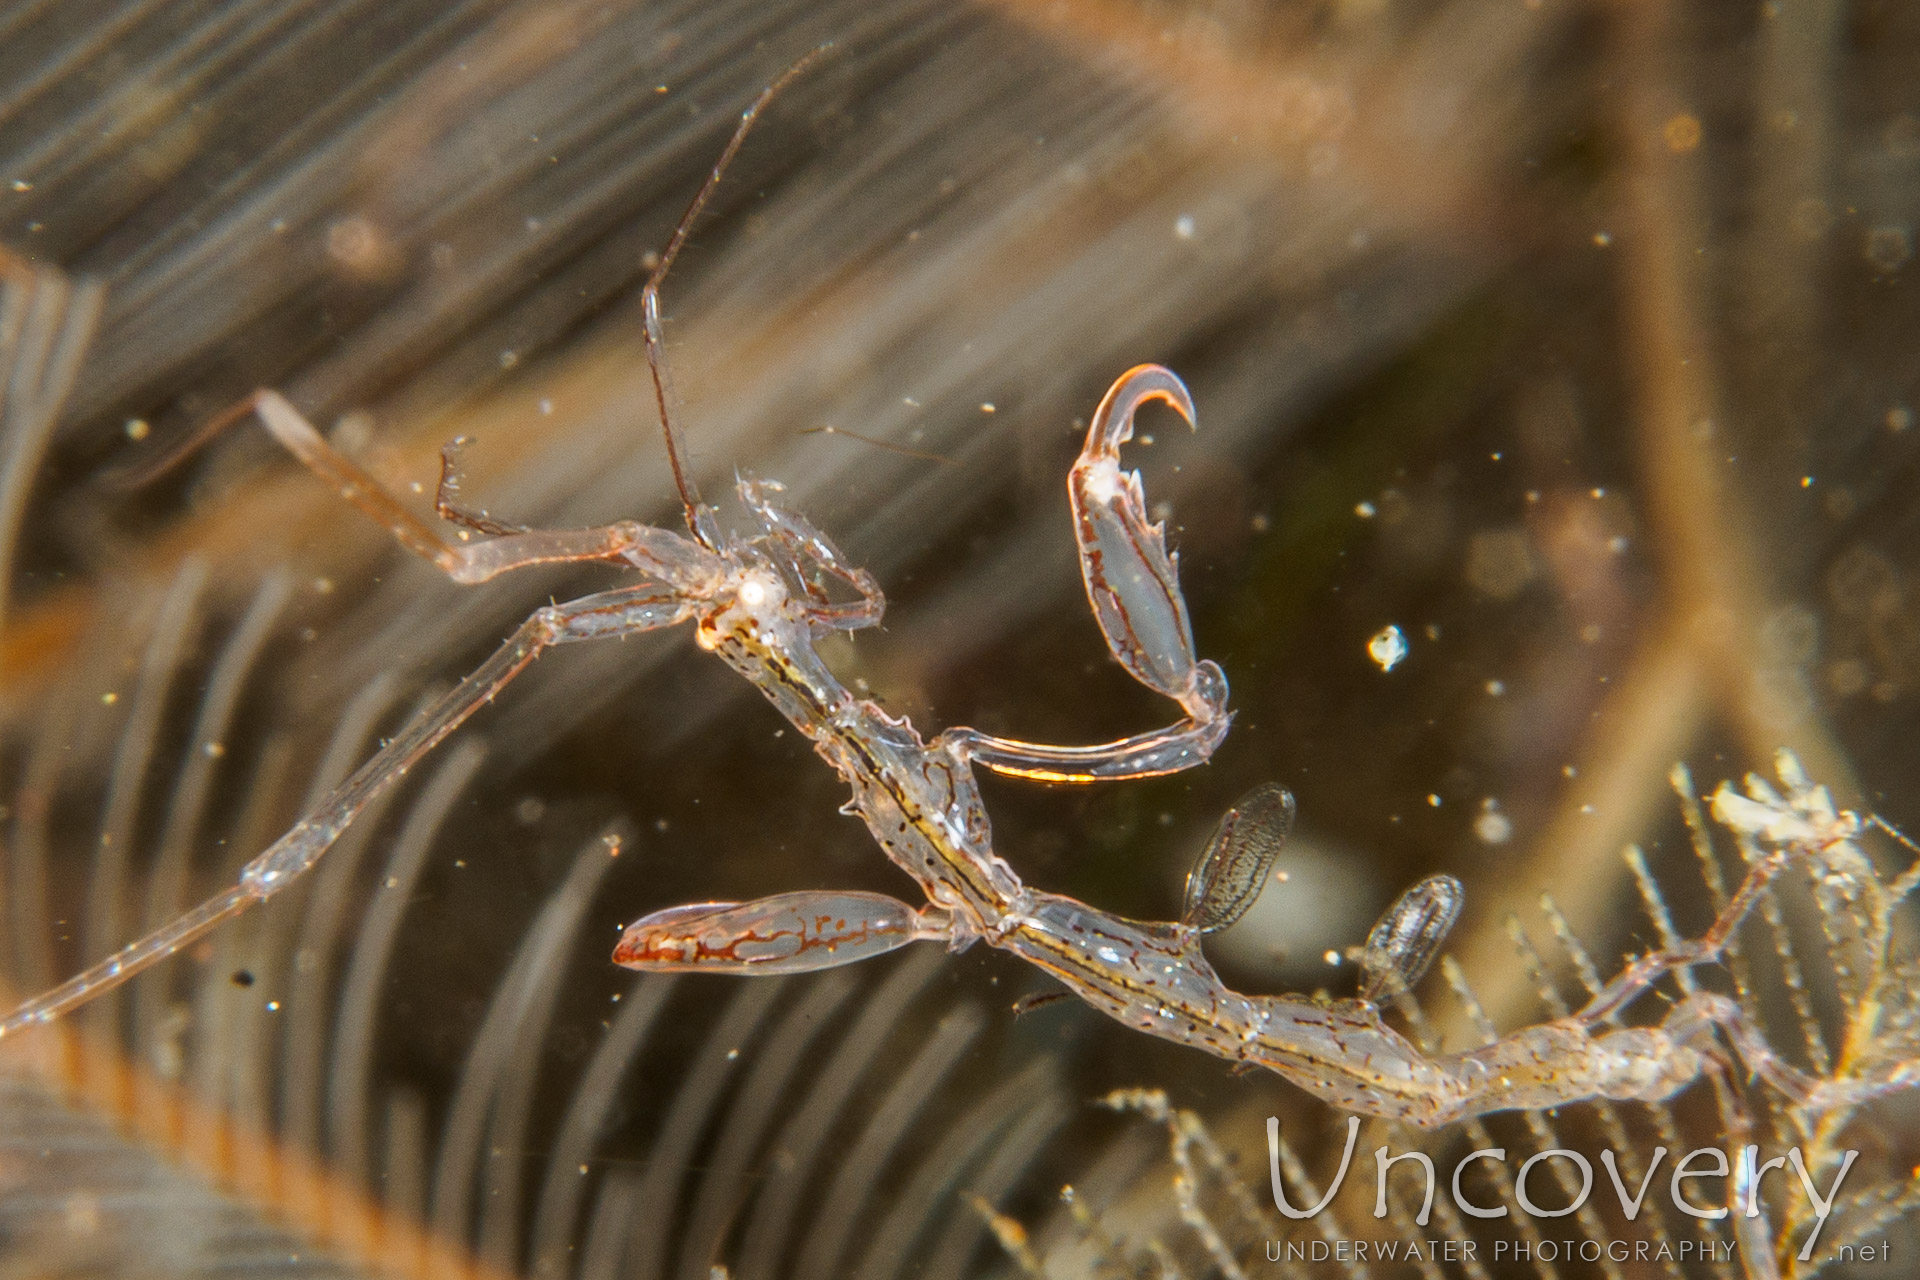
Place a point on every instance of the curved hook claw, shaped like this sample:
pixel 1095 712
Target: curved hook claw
pixel 1132 580
pixel 1142 384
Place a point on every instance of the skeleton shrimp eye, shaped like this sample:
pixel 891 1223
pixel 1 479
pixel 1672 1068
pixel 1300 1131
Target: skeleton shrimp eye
pixel 759 591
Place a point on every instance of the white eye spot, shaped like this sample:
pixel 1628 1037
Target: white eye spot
pixel 753 595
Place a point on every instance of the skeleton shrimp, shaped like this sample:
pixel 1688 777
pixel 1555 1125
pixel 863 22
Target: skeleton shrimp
pixel 761 602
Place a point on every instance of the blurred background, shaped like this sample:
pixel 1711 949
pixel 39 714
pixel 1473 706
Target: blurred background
pixel 1575 341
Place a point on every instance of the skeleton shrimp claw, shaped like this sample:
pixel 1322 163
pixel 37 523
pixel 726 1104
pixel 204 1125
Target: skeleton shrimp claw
pixel 1133 585
pixel 1132 580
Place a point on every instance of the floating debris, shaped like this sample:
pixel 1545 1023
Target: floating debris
pixel 1388 647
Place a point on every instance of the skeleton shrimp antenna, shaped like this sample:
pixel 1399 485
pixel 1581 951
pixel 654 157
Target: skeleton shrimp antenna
pixel 650 295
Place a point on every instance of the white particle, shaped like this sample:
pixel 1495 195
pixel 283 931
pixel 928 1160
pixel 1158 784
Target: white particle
pixel 1183 226
pixel 1364 510
pixel 1388 647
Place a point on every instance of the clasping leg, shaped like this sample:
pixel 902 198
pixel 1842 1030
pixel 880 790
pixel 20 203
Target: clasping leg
pixel 1133 585
pixel 623 611
pixel 664 555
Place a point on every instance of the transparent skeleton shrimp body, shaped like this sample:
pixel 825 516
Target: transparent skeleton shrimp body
pixel 760 603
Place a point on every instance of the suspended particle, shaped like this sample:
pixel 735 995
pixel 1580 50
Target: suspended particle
pixel 1388 647
pixel 1492 826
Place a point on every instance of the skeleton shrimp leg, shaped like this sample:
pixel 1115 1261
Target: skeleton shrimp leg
pixel 467 563
pixel 626 611
pixel 1134 587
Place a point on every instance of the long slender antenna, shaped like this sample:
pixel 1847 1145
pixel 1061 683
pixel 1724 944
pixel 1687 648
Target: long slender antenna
pixel 140 474
pixel 650 296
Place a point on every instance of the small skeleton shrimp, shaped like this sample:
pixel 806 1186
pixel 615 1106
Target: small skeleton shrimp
pixel 761 603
